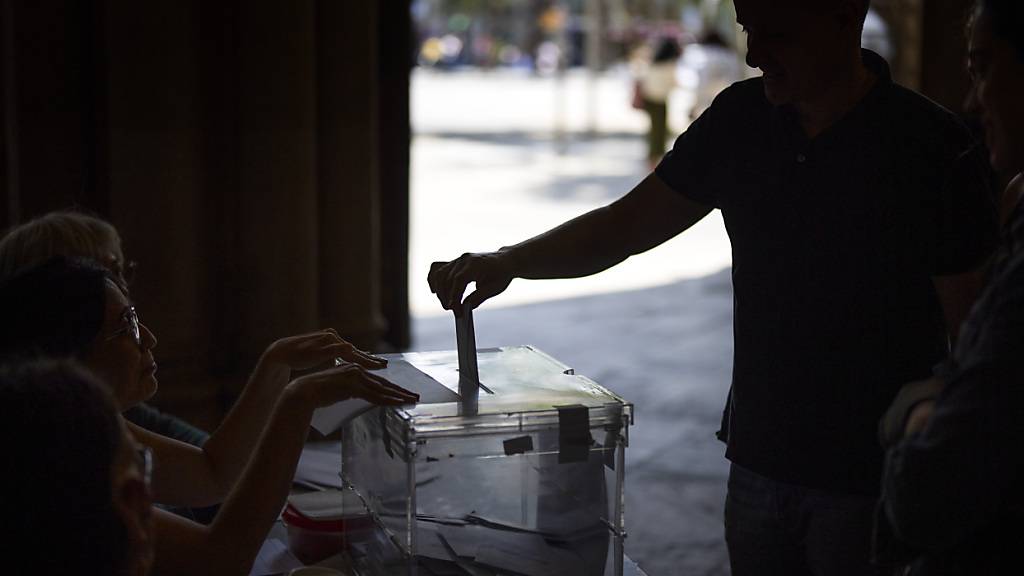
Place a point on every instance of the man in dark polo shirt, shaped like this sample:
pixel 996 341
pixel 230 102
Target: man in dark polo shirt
pixel 858 214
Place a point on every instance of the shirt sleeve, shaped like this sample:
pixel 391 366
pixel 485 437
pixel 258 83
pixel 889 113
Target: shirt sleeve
pixel 685 168
pixel 967 230
pixel 956 477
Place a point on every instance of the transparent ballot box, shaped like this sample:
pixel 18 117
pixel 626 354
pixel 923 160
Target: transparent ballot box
pixel 525 477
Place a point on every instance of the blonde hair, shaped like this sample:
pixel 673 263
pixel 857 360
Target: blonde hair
pixel 62 233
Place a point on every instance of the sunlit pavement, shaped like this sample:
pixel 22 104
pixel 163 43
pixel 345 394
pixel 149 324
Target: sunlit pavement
pixel 657 329
pixel 487 171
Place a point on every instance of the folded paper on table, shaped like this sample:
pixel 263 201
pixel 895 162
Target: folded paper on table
pixel 329 419
pixel 318 469
pixel 273 558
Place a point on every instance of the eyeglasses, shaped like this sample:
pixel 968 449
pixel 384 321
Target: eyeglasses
pixel 131 327
pixel 127 272
pixel 145 461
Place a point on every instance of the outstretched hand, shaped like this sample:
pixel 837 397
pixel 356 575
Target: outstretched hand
pixel 319 348
pixel 351 381
pixel 448 280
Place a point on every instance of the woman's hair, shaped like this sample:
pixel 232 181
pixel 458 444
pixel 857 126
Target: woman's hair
pixel 55 309
pixel 61 434
pixel 64 233
pixel 1007 17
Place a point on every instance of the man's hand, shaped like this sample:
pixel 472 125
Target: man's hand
pixel 346 381
pixel 319 348
pixel 448 280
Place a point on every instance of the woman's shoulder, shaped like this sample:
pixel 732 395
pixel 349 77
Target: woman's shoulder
pixel 1014 209
pixel 1016 188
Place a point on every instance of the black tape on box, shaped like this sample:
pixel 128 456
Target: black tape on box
pixel 518 445
pixel 611 435
pixel 573 433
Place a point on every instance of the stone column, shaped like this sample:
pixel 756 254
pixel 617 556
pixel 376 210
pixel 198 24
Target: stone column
pixel 905 19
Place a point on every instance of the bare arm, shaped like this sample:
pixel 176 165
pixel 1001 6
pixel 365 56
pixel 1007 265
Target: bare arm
pixel 647 216
pixel 229 545
pixel 190 476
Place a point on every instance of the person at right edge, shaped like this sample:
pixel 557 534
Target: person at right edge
pixel 860 218
pixel 952 502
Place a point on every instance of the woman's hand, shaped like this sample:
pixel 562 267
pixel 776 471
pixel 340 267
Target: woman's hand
pixel 307 351
pixel 213 471
pixel 349 381
pixel 230 543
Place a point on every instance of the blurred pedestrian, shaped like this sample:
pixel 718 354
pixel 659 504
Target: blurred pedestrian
pixel 655 85
pixel 715 65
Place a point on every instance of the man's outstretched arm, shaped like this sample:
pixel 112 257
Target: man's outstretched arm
pixel 648 215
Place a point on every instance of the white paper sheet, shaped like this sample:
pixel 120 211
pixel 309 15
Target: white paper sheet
pixel 273 558
pixel 329 419
pixel 318 469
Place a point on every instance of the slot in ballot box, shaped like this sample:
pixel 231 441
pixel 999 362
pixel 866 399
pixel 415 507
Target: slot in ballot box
pixel 525 478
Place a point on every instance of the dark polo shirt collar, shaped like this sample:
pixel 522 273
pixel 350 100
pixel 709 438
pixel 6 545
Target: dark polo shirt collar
pixel 786 118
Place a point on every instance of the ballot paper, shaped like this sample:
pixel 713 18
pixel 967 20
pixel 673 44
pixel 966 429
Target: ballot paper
pixel 465 339
pixel 331 418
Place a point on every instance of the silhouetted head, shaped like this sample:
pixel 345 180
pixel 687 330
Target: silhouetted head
pixel 996 64
pixel 801 46
pixel 64 233
pixel 667 51
pixel 74 308
pixel 77 491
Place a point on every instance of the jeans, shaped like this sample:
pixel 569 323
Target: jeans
pixel 775 528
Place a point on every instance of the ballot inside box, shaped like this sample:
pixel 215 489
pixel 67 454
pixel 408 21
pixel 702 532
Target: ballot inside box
pixel 525 477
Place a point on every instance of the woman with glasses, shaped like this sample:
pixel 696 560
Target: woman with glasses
pixel 951 501
pixel 76 309
pixel 77 234
pixel 78 489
